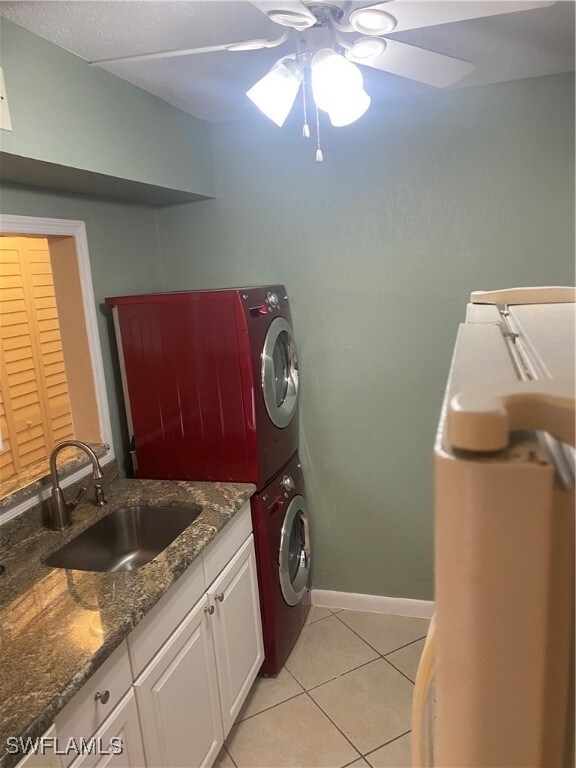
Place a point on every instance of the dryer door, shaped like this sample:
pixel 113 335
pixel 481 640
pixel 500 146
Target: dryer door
pixel 295 552
pixel 280 372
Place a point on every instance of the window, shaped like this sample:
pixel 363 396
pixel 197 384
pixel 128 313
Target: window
pixel 50 364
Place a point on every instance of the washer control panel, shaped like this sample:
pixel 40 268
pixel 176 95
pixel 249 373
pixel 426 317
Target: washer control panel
pixel 259 302
pixel 272 300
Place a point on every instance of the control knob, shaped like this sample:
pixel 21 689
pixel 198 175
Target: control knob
pixel 288 483
pixel 272 300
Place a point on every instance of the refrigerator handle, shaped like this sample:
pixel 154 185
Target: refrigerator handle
pixel 480 418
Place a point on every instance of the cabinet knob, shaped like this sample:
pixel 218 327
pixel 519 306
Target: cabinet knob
pixel 103 697
pixel 220 597
pixel 209 609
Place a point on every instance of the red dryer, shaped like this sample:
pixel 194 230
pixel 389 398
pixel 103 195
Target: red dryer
pixel 281 537
pixel 210 382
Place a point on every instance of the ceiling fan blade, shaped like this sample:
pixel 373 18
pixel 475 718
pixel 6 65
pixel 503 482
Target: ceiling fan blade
pixel 289 13
pixel 156 55
pixel 245 45
pixel 412 14
pixel 417 64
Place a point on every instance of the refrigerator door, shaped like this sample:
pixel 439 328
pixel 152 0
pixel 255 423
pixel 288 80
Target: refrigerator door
pixel 502 650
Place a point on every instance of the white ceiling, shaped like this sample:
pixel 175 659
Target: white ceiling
pixel 213 85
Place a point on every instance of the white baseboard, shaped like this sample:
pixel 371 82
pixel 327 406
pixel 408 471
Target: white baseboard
pixel 397 606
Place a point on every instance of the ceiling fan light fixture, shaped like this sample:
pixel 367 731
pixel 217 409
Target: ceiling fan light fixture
pixel 275 93
pixel 366 48
pixel 350 109
pixel 337 87
pixel 372 21
pixel 332 76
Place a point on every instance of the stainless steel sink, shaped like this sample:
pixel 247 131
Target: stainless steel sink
pixel 125 539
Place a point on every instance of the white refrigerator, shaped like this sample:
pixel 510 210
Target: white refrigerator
pixel 495 686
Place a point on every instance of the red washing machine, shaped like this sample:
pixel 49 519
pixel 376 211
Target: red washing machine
pixel 210 383
pixel 280 520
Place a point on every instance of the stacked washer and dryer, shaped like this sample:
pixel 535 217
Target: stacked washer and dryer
pixel 210 383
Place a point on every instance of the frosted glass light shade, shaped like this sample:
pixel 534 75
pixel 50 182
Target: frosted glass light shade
pixel 332 75
pixel 337 87
pixel 275 93
pixel 350 109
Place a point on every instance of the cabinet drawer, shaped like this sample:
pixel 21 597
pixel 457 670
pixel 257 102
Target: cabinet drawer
pixel 157 626
pixel 223 548
pixel 84 714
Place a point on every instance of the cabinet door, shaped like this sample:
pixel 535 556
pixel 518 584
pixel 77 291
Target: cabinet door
pixel 177 697
pixel 237 630
pixel 118 743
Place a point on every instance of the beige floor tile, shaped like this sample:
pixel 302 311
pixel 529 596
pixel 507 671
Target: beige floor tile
pixel 397 754
pixel 361 763
pixel 315 613
pixel 268 691
pixel 295 734
pixel 383 631
pixel 370 705
pixel 325 650
pixel 223 760
pixel 408 658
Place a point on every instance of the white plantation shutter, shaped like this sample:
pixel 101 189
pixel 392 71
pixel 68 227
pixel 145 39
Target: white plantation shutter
pixel 34 406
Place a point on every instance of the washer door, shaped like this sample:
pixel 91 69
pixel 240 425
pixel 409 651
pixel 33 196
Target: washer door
pixel 280 372
pixel 295 552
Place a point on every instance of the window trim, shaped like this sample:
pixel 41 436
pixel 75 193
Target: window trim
pixel 33 225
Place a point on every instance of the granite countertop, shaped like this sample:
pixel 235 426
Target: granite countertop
pixel 58 626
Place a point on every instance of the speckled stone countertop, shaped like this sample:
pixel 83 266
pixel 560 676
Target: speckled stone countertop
pixel 57 626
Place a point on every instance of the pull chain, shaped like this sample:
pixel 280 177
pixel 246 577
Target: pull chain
pixel 305 127
pixel 319 156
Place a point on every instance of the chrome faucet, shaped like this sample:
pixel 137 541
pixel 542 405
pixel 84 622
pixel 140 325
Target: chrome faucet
pixel 60 507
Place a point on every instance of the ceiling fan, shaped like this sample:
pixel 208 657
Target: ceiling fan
pixel 332 37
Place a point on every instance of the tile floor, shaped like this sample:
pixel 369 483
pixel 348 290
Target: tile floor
pixel 343 697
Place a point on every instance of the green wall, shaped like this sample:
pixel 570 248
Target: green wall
pixel 65 112
pixel 420 202
pixel 124 258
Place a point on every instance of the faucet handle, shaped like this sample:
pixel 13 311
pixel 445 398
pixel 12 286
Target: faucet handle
pixel 73 504
pixel 99 498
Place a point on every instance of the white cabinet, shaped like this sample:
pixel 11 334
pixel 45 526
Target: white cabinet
pixel 101 717
pixel 236 630
pixel 177 697
pixel 94 702
pixel 45 757
pixel 117 743
pixel 191 692
pixel 193 659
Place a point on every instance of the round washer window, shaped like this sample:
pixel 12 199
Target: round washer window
pixel 295 555
pixel 280 372
pixel 281 365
